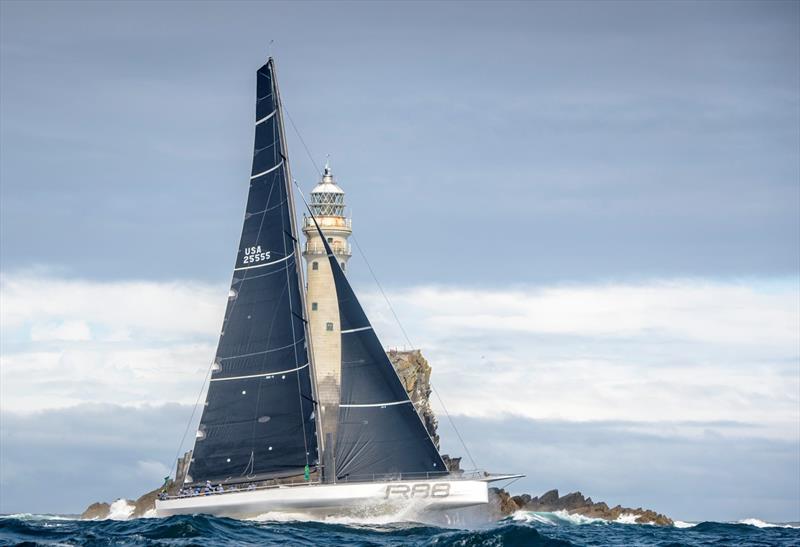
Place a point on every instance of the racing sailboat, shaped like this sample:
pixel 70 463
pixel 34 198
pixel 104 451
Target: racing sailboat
pixel 258 447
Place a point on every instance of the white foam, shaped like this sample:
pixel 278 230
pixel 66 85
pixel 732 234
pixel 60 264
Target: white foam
pixel 278 516
pixel 33 516
pixel 530 516
pixel 555 518
pixel 629 518
pixel 359 518
pixel 121 509
pixel 682 524
pixel 758 523
pixel 379 517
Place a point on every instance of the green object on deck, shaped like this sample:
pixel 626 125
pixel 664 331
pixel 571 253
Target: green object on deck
pixel 307 473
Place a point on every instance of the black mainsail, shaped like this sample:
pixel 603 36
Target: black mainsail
pixel 379 433
pixel 259 418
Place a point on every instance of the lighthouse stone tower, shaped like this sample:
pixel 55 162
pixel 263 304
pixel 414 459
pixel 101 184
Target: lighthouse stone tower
pixel 327 204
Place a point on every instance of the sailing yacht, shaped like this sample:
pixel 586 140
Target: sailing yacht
pixel 259 446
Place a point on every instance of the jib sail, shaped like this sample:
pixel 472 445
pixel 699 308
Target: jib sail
pixel 379 433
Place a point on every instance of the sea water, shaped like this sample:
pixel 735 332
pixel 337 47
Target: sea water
pixel 522 528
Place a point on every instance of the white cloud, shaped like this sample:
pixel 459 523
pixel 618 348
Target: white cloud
pixel 66 330
pixel 152 471
pixel 160 311
pixel 117 373
pixel 681 350
pixel 678 351
pixel 739 314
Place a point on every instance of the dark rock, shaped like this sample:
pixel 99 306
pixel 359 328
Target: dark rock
pixel 97 510
pixel 501 504
pixel 571 501
pixel 522 500
pixel 575 503
pixel 453 464
pixel 415 373
pixel 549 498
pixel 146 502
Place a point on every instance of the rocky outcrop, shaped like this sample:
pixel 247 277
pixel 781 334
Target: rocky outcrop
pixel 415 373
pixel 453 464
pixel 503 504
pixel 97 510
pixel 146 502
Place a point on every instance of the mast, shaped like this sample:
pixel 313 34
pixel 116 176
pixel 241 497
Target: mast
pixel 298 267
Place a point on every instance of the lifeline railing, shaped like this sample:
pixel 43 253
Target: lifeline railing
pixel 199 491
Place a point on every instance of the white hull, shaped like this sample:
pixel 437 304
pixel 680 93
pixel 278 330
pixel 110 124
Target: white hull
pixel 373 498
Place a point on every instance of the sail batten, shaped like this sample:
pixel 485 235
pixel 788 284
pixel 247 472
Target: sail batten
pixel 260 375
pixel 379 405
pixel 258 420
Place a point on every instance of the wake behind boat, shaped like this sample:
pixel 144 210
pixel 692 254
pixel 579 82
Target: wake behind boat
pixel 276 433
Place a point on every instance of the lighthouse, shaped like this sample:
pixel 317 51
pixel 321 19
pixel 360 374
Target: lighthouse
pixel 327 204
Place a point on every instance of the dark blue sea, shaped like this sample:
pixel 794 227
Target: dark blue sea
pixel 546 529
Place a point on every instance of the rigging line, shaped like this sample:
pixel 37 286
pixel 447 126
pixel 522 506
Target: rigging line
pixel 408 340
pixel 299 136
pixel 194 410
pixel 225 320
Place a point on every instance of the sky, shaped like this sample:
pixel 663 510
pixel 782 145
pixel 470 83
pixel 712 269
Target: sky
pixel 587 216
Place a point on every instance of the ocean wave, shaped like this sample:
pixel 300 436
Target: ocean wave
pixel 353 520
pixel 508 534
pixel 121 509
pixel 524 528
pixel 758 523
pixel 378 518
pixel 554 518
pixel 35 516
pixel 630 518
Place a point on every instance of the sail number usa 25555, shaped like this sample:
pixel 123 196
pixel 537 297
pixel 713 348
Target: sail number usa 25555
pixel 255 254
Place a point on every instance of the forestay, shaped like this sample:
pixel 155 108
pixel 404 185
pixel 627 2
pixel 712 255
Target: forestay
pixel 258 419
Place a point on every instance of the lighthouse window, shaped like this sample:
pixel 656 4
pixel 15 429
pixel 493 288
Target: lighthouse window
pixel 313 306
pixel 314 265
pixel 330 240
pixel 328 326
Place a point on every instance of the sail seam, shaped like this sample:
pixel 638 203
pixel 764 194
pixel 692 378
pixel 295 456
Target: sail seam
pixel 407 401
pixel 268 171
pixel 265 118
pixel 262 375
pixel 348 331
pixel 265 264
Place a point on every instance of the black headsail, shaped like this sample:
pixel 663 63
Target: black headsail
pixel 258 419
pixel 379 433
